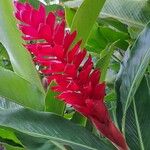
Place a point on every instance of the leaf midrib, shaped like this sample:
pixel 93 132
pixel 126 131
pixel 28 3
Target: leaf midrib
pixel 138 126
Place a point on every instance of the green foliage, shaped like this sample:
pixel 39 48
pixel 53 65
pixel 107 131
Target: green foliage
pixel 84 24
pixel 38 143
pixel 103 63
pixel 69 14
pixel 51 127
pixel 9 136
pixel 20 91
pixel 137 122
pixel 10 38
pixel 134 13
pixel 53 104
pixel 133 69
pixel 109 33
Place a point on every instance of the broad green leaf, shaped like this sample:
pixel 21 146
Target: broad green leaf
pixel 132 71
pixel 6 104
pixel 20 91
pixel 132 12
pixel 51 127
pixel 53 104
pixel 14 138
pixel 11 39
pixel 7 136
pixel 135 13
pixel 85 18
pixel 137 122
pixel 37 143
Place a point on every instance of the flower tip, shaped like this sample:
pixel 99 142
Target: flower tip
pixel 74 34
pixel 41 7
pixel 80 42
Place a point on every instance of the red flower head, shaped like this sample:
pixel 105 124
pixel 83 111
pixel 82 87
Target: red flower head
pixel 71 68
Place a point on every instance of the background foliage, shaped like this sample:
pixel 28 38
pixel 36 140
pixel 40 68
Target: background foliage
pixel 116 33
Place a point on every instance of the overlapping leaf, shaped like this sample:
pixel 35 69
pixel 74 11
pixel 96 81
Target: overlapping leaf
pixel 51 127
pixel 11 39
pixel 137 122
pixel 133 68
pixel 85 18
pixel 135 13
pixel 20 91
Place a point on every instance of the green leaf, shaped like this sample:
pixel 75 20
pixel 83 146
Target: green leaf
pixel 113 35
pixel 137 122
pixel 53 104
pixel 6 104
pixel 50 127
pixel 103 63
pixel 69 15
pixel 110 97
pixel 11 39
pixel 20 91
pixel 37 143
pixel 10 147
pixel 96 42
pixel 8 135
pixel 14 138
pixel 134 13
pixel 133 68
pixel 79 119
pixel 114 24
pixel 85 18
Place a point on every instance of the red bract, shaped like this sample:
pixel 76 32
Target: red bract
pixel 71 68
pixel 60 13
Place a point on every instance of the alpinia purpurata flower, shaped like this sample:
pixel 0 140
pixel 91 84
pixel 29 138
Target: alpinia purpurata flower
pixel 71 68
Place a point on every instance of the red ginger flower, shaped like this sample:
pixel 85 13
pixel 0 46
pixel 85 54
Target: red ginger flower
pixel 72 70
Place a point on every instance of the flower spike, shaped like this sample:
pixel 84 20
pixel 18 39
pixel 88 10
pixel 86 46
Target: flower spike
pixel 71 68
